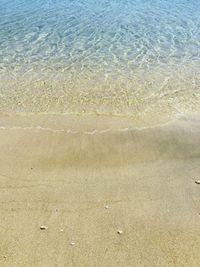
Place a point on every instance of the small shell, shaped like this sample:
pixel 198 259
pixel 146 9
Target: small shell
pixel 197 182
pixel 72 243
pixel 43 227
pixel 106 207
pixel 120 232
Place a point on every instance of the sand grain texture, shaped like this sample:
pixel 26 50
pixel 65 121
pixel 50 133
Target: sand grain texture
pixel 64 180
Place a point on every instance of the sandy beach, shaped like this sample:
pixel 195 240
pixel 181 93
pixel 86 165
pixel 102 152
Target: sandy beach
pixel 99 133
pixel 108 193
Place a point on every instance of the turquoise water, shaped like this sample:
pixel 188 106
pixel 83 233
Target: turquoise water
pixel 117 56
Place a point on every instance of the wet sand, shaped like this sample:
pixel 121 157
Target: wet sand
pixel 110 193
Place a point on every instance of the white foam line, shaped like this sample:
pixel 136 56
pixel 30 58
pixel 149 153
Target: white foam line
pixel 93 132
pixel 57 130
pixel 70 131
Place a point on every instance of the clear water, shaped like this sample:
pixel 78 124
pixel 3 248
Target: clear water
pixel 127 57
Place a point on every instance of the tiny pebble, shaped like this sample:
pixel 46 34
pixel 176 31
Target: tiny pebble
pixel 197 181
pixel 72 243
pixel 5 257
pixel 61 230
pixel 43 227
pixel 106 207
pixel 120 232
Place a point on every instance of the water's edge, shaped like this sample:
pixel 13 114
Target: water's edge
pixel 89 141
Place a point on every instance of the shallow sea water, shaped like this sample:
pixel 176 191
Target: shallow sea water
pixel 118 57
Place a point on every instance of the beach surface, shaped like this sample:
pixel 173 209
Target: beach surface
pixel 99 133
pixel 104 192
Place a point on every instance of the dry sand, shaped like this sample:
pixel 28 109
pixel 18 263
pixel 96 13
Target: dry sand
pixel 108 193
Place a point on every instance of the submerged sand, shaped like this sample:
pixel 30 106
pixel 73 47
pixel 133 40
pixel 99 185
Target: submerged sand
pixel 110 193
